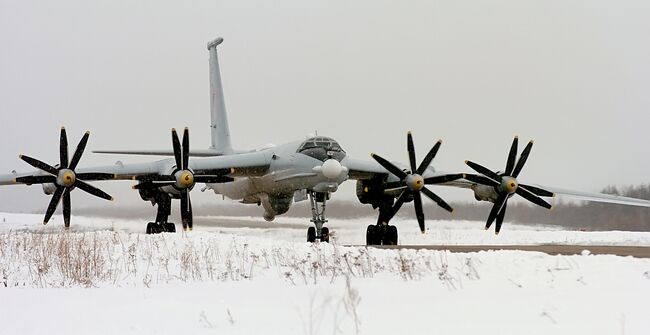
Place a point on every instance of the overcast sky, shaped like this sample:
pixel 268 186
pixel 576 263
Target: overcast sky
pixel 572 75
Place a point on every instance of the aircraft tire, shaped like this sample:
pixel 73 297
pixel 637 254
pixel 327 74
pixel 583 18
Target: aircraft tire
pixel 311 235
pixel 325 235
pixel 169 227
pixel 390 238
pixel 371 235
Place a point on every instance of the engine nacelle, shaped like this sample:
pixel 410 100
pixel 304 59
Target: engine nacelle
pixel 49 189
pixel 485 193
pixel 275 205
pixel 371 192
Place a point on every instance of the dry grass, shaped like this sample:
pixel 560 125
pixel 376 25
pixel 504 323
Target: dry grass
pixel 94 259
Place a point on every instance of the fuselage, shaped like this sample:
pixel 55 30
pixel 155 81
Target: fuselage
pixel 294 166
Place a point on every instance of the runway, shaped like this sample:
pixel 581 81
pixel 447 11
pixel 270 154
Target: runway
pixel 551 249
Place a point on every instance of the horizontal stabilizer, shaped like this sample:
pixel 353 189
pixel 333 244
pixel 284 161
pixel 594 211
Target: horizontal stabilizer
pixel 193 153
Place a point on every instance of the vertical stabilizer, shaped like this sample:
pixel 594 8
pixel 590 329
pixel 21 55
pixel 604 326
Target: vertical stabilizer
pixel 219 120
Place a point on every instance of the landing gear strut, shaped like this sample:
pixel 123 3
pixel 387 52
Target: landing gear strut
pixel 164 210
pixel 318 202
pixel 382 232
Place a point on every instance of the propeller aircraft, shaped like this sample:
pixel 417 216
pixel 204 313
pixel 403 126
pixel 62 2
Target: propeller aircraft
pixel 275 177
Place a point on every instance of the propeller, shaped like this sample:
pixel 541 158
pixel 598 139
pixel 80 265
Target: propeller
pixel 413 183
pixel 506 185
pixel 182 178
pixel 64 177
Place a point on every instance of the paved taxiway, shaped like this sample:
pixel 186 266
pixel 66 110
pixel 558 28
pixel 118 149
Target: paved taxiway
pixel 551 249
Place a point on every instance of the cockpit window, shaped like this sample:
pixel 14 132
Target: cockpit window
pixel 322 148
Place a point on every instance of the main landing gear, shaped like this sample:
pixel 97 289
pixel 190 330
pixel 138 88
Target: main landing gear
pixel 318 202
pixel 161 225
pixel 382 233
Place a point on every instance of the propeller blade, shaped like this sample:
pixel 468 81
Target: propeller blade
pixel 512 156
pixel 177 149
pixel 481 180
pixel 186 148
pixel 56 197
pixel 498 205
pixel 484 171
pixel 212 179
pixel 500 217
pixel 63 149
pixel 36 179
pixel 66 208
pixel 76 157
pixel 156 178
pixel 419 213
pixel 522 159
pixel 39 165
pixel 443 179
pixel 92 190
pixel 190 223
pixel 153 184
pixel 95 176
pixel 533 198
pixel 410 147
pixel 437 199
pixel 186 214
pixel 538 191
pixel 428 158
pixel 398 204
pixel 389 166
pixel 394 184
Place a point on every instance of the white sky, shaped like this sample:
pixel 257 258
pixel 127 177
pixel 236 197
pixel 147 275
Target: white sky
pixel 572 75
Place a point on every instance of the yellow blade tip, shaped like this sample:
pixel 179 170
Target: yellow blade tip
pixel 531 141
pixel 87 132
pixel 552 208
pixel 486 228
pixel 13 180
pixel 187 128
pixel 496 233
pixel 372 154
pixel 44 222
pixel 191 228
pixel 452 211
pixel 173 130
pixel 466 161
pixel 62 127
pixel 20 156
pixel 111 199
pixel 517 136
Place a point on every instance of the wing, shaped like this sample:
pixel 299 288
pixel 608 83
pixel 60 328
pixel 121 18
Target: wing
pixel 578 195
pixel 597 197
pixel 360 170
pixel 248 164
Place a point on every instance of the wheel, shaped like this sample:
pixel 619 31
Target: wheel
pixel 153 228
pixel 371 233
pixel 169 227
pixel 311 235
pixel 390 238
pixel 325 235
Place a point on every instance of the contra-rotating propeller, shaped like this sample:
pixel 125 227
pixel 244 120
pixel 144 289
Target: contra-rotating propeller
pixel 182 178
pixel 413 181
pixel 506 185
pixel 64 177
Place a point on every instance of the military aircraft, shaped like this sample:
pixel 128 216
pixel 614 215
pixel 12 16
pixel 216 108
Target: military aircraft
pixel 276 176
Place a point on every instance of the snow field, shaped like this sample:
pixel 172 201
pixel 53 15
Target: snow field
pixel 104 277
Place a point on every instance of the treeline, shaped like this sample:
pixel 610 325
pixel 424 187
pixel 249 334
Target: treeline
pixel 572 215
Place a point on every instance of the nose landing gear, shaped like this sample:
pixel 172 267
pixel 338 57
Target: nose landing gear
pixel 318 203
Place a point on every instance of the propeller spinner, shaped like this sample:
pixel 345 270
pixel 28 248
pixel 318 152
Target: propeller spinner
pixel 64 177
pixel 413 182
pixel 506 184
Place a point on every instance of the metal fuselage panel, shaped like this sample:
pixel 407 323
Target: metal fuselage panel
pixel 289 171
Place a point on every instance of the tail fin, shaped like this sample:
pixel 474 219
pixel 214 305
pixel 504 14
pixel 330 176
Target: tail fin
pixel 219 119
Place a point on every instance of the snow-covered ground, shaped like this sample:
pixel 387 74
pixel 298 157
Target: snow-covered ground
pixel 105 277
